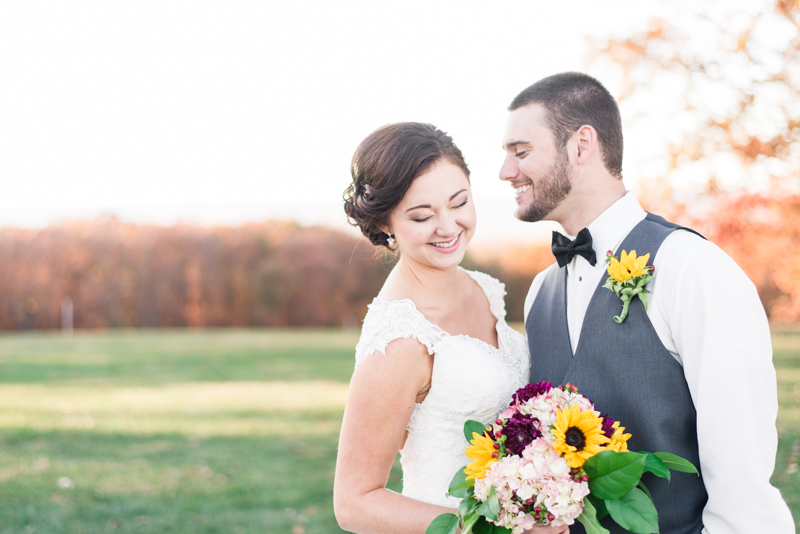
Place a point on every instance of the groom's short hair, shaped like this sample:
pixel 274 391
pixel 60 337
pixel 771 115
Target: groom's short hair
pixel 572 100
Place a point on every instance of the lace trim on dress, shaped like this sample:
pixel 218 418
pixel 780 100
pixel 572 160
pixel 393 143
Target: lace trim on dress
pixel 390 320
pixel 397 319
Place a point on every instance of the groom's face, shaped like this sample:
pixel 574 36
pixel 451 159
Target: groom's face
pixel 534 166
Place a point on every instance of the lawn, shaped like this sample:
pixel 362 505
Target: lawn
pixel 206 432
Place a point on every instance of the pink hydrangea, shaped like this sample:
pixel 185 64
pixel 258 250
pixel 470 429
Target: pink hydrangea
pixel 539 474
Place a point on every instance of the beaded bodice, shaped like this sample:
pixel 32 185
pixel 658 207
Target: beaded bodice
pixel 471 379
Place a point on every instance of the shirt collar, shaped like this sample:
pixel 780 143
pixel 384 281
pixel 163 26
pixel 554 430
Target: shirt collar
pixel 610 227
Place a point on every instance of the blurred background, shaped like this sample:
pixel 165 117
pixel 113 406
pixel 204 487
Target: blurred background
pixel 180 293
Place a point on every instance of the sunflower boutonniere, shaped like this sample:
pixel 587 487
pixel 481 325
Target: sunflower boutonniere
pixel 628 277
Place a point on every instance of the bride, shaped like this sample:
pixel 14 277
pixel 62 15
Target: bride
pixel 435 349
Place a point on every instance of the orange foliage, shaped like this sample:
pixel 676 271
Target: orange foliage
pixel 761 234
pixel 117 274
pixel 739 83
pixel 267 274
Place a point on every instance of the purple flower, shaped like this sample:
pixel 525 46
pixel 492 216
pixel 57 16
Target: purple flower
pixel 532 390
pixel 608 425
pixel 520 431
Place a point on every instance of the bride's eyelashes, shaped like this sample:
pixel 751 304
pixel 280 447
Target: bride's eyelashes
pixel 423 219
pixel 520 153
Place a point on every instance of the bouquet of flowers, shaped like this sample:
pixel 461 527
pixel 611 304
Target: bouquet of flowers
pixel 551 458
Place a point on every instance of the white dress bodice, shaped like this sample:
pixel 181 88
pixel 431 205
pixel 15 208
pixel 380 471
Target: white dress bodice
pixel 471 379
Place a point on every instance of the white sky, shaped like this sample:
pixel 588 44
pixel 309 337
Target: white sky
pixel 223 112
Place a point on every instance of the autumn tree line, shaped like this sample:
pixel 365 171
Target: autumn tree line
pixel 280 274
pixel 271 274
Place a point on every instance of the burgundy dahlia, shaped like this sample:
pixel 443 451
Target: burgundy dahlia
pixel 520 431
pixel 531 390
pixel 608 425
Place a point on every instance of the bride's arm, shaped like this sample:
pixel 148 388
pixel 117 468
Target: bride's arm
pixel 382 394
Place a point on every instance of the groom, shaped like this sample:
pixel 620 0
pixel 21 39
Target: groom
pixel 691 375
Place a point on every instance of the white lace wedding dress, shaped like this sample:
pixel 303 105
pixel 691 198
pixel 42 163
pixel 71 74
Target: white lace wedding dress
pixel 471 380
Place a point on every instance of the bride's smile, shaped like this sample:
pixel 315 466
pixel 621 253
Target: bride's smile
pixel 449 246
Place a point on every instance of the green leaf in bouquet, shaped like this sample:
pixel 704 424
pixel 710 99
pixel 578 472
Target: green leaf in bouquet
pixel 634 511
pixel 468 505
pixel 589 519
pixel 491 506
pixel 654 465
pixel 599 506
pixel 469 522
pixel 613 474
pixel 444 524
pixel 645 490
pixel 483 526
pixel 471 426
pixel 461 487
pixel 676 463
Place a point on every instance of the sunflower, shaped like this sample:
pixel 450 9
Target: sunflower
pixel 578 434
pixel 628 266
pixel 483 455
pixel 619 441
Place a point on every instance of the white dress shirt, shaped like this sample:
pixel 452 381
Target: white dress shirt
pixel 708 315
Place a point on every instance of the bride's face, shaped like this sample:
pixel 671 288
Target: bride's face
pixel 436 218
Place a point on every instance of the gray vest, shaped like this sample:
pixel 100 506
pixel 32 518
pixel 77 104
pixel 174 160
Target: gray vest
pixel 629 374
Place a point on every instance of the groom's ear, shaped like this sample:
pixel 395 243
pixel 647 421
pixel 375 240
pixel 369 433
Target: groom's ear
pixel 585 139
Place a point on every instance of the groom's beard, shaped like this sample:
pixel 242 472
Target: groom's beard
pixel 552 188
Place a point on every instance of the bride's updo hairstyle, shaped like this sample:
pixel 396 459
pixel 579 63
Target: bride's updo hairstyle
pixel 383 168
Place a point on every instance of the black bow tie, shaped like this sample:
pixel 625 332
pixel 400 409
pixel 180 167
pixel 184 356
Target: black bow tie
pixel 564 249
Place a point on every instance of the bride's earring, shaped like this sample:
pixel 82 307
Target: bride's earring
pixel 390 239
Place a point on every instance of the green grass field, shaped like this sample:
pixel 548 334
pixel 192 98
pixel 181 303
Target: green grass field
pixel 182 431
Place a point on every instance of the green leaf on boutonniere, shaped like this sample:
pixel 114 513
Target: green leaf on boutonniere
pixel 471 426
pixel 627 279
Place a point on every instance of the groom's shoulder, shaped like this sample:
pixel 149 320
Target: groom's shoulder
pixel 690 254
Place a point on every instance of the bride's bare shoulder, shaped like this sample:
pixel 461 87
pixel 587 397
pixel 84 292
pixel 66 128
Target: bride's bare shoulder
pixel 397 287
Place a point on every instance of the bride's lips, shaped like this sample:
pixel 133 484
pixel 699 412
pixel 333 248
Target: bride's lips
pixel 451 248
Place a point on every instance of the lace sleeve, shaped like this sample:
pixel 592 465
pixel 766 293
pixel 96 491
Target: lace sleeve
pixel 390 320
pixel 495 291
